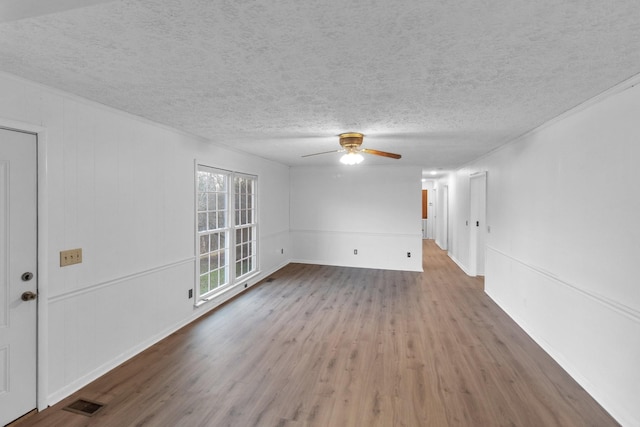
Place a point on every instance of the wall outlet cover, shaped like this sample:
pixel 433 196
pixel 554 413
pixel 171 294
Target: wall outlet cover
pixel 70 257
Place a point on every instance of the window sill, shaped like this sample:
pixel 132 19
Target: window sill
pixel 217 295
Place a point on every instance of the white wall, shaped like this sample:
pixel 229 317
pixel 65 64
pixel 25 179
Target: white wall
pixel 374 209
pixel 122 189
pixel 563 251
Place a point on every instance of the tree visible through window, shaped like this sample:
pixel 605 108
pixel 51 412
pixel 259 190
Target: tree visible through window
pixel 225 219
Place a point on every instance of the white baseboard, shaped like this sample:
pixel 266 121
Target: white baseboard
pixel 459 264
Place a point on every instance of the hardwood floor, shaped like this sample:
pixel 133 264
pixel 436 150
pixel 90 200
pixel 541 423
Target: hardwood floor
pixel 334 346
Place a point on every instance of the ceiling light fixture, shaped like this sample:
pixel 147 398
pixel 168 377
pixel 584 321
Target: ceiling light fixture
pixel 351 158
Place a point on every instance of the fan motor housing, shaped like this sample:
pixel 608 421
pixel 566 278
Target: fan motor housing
pixel 351 140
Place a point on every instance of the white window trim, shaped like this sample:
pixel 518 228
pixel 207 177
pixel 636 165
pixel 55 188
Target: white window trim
pixel 233 281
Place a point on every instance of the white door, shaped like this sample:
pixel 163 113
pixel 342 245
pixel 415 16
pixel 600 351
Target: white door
pixel 478 215
pixel 445 218
pixel 18 275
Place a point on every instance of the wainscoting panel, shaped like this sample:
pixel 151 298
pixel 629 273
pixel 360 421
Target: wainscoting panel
pixel 596 340
pixel 374 250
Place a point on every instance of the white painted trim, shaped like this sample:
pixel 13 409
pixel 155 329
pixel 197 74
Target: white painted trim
pixel 315 262
pixel 357 233
pixel 42 353
pixel 478 175
pixel 620 308
pixel 200 311
pixel 274 234
pixel 92 288
pixel 459 264
pixel 229 288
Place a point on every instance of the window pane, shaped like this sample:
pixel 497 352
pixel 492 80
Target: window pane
pixel 202 221
pixel 204 283
pixel 213 279
pixel 220 183
pixel 222 219
pixel 209 182
pixel 212 221
pixel 213 261
pixel 202 202
pixel 204 264
pixel 204 244
pixel 223 240
pixel 222 201
pixel 211 198
pixel 202 180
pixel 214 241
pixel 222 258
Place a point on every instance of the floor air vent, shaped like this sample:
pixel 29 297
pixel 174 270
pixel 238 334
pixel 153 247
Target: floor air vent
pixel 84 407
pixel 270 279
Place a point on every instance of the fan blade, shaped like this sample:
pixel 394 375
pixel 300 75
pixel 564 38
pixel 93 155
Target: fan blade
pixel 381 153
pixel 324 152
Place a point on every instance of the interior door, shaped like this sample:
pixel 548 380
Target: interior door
pixel 445 217
pixel 478 215
pixel 18 275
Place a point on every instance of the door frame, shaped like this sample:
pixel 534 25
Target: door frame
pixel 42 332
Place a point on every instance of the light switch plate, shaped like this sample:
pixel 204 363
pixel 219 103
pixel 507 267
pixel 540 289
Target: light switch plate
pixel 70 257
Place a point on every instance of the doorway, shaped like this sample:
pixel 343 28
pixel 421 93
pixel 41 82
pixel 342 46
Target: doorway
pixel 478 226
pixel 18 273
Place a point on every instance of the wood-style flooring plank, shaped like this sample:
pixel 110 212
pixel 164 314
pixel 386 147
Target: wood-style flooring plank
pixel 335 346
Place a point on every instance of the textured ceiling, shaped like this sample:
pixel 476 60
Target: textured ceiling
pixel 441 82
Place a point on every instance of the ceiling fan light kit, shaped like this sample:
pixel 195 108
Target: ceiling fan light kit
pixel 351 158
pixel 350 143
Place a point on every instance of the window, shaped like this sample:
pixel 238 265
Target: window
pixel 213 229
pixel 245 225
pixel 225 219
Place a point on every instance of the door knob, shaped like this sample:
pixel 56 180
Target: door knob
pixel 27 276
pixel 28 296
